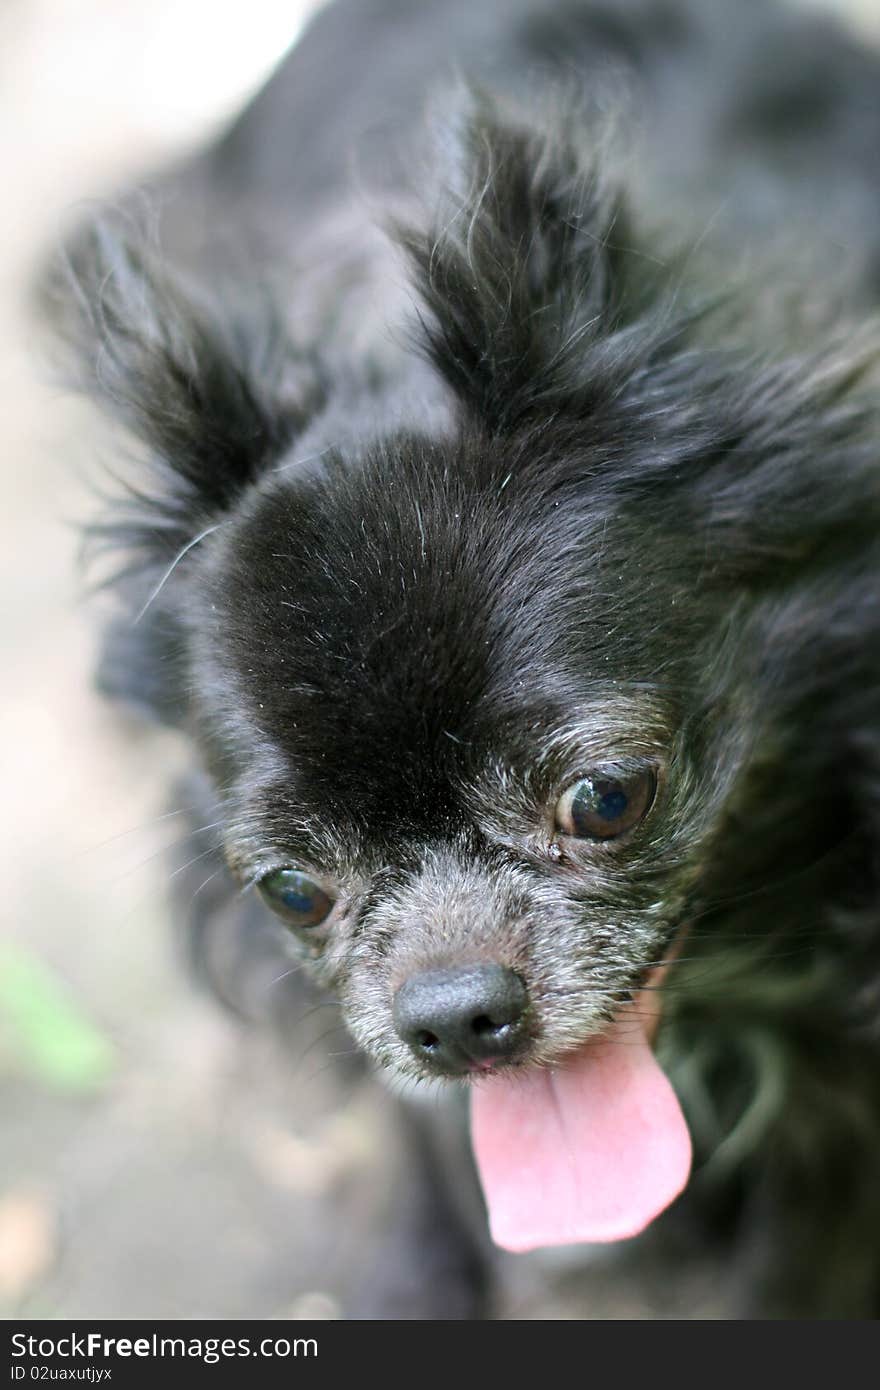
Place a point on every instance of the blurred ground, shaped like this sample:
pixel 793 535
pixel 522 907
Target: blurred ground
pixel 154 1161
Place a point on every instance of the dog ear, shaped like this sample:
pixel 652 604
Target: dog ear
pixel 527 268
pixel 207 397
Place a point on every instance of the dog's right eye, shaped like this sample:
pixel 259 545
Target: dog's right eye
pixel 296 899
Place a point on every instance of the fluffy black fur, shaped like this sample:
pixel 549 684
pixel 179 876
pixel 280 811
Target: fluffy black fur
pixel 432 518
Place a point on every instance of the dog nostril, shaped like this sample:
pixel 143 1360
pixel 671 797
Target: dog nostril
pixel 428 1041
pixel 483 1024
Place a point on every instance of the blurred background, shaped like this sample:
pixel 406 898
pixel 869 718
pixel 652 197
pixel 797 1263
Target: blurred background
pixel 155 1160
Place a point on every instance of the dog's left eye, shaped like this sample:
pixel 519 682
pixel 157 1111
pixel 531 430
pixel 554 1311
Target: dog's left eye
pixel 296 899
pixel 601 807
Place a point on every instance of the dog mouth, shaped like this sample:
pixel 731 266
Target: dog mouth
pixel 590 1149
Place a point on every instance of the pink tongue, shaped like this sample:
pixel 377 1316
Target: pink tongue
pixel 591 1150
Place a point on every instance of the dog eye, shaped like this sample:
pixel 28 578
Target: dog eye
pixel 296 899
pixel 600 807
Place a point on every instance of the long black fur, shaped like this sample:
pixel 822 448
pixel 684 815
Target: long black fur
pixel 582 450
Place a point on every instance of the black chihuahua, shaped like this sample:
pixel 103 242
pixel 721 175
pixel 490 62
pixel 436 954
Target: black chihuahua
pixel 507 545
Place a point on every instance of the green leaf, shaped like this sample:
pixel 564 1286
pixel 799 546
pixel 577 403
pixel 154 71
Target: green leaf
pixel 44 1029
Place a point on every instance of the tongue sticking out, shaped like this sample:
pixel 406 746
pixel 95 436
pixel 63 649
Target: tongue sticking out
pixel 591 1150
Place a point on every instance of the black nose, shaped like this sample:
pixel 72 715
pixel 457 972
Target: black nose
pixel 462 1018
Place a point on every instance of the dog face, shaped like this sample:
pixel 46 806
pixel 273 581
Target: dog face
pixel 494 708
pixel 449 744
